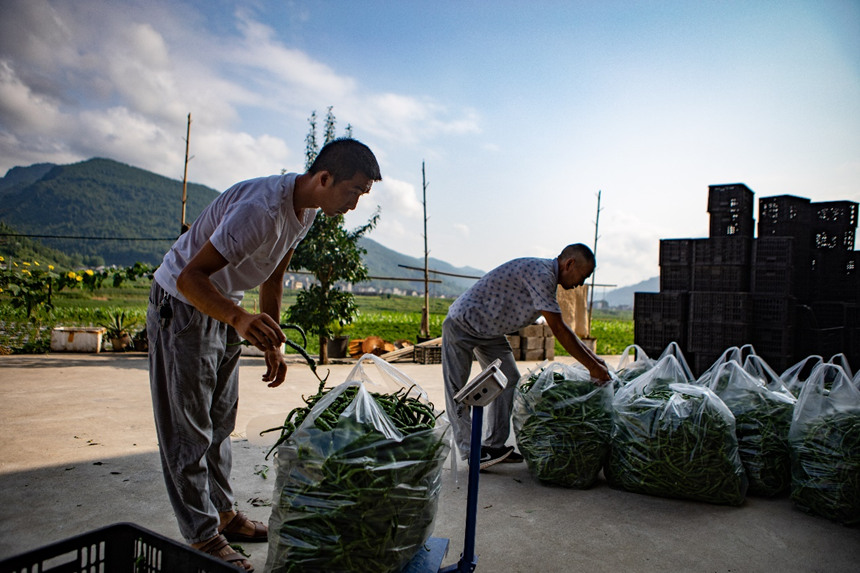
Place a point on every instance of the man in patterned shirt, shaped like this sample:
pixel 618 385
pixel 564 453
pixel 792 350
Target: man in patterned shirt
pixel 504 300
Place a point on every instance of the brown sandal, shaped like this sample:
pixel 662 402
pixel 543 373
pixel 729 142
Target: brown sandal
pixel 232 531
pixel 219 547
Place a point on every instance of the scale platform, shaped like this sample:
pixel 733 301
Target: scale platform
pixel 430 558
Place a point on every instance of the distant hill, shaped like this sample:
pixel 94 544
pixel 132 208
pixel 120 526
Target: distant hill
pixel 99 198
pixel 624 296
pixel 114 202
pixel 384 262
pixel 111 200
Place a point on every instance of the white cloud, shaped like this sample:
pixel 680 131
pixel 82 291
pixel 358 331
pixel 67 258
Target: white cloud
pixel 20 107
pixel 118 81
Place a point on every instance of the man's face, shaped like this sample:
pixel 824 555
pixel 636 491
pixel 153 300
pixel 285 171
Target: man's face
pixel 571 274
pixel 343 196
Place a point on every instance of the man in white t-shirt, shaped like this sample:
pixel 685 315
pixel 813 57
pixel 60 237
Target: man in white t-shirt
pixel 243 239
pixel 504 300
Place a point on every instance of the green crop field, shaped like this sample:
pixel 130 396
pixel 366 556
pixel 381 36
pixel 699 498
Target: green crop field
pixel 390 317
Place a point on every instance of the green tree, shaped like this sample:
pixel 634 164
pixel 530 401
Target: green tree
pixel 331 253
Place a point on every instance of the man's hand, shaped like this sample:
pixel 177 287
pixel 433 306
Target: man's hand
pixel 261 330
pixel 600 373
pixel 276 368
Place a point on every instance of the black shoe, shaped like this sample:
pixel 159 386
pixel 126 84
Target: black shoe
pixel 514 458
pixel 492 456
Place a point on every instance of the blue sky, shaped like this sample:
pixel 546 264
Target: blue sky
pixel 521 111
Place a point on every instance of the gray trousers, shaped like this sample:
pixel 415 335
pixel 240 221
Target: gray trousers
pixel 458 348
pixel 194 380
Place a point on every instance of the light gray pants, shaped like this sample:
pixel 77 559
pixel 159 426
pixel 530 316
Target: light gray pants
pixel 458 348
pixel 193 375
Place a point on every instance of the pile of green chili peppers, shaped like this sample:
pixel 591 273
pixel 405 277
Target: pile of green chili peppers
pixel 762 422
pixel 358 482
pixel 676 440
pixel 562 428
pixel 825 469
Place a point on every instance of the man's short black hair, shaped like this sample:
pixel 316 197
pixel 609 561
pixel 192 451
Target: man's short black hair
pixel 344 157
pixel 579 251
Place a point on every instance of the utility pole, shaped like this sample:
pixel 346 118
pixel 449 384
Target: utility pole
pixel 183 227
pixel 594 273
pixel 425 313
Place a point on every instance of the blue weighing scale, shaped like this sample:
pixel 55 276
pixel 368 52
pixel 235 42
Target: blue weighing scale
pixel 482 390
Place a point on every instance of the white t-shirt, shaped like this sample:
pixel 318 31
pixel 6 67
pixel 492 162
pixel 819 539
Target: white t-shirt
pixel 253 224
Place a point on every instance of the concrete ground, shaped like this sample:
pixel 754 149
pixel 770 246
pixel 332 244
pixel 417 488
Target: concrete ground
pixel 79 452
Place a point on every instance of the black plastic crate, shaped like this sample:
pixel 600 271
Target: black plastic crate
pixel 841 214
pixel 852 315
pixel 427 354
pixel 118 548
pixel 677 251
pixel 781 251
pixel 720 306
pixel 780 281
pixel 723 251
pixel 835 276
pixel 701 361
pixel 852 350
pixel 822 341
pixel 839 239
pixel 770 311
pixel 655 336
pixel 676 278
pixel 829 314
pixel 782 212
pixel 710 337
pixel 733 197
pixel 721 278
pixel 773 341
pixel 660 306
pixel 726 224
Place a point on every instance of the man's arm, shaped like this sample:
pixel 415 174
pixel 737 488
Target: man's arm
pixel 193 282
pixel 571 342
pixel 271 294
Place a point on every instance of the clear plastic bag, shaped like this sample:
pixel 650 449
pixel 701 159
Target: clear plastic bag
pixel 562 421
pixel 358 491
pixel 674 349
pixel 633 363
pixel 794 376
pixel 738 354
pixel 674 439
pixel 762 420
pixel 825 446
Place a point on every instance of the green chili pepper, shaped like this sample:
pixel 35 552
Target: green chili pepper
pixel 825 468
pixel 673 443
pixel 562 428
pixel 348 496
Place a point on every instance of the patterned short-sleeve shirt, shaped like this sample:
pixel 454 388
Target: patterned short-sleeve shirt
pixel 508 298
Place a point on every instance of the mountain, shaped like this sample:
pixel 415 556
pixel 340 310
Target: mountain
pixel 101 211
pixel 109 200
pixel 104 201
pixel 384 262
pixel 624 296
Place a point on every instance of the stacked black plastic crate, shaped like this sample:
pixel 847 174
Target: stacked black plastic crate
pixel 780 278
pixel 792 292
pixel 660 318
pixel 720 312
pixel 831 324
